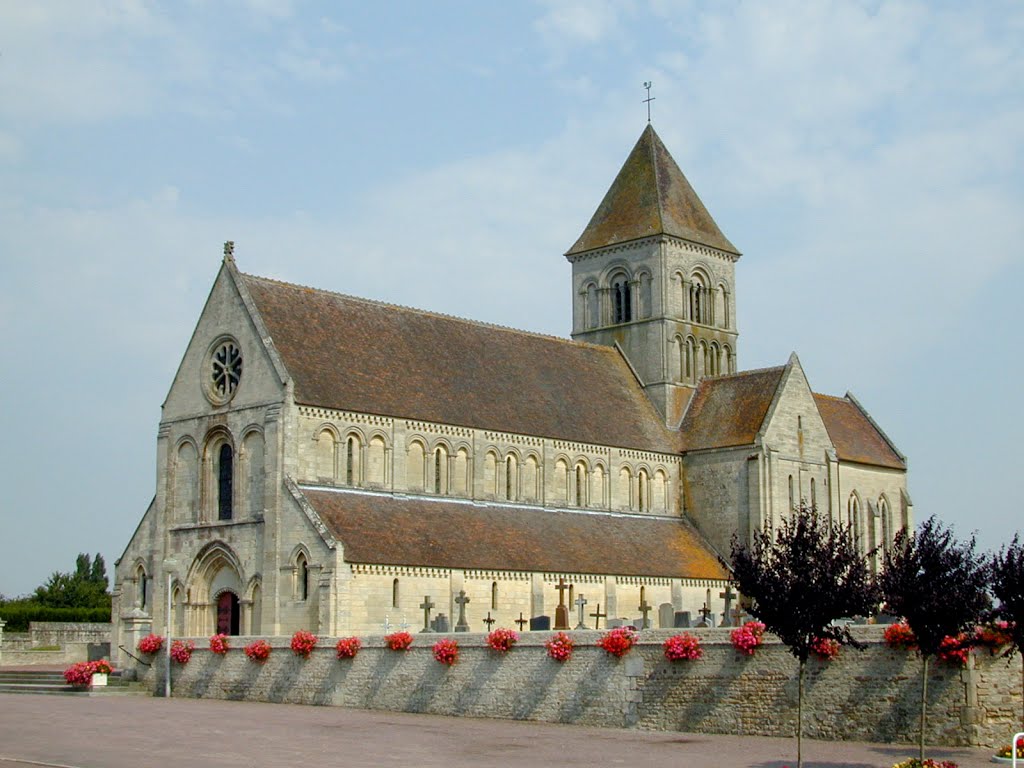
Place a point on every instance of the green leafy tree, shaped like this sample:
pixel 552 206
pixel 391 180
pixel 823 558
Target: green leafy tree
pixel 939 585
pixel 1008 588
pixel 86 587
pixel 801 578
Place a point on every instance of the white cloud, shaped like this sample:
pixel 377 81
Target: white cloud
pixel 566 23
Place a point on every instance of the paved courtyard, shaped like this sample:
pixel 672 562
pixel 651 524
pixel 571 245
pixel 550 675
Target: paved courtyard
pixel 142 732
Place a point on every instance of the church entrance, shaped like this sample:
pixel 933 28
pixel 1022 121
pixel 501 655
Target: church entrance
pixel 228 616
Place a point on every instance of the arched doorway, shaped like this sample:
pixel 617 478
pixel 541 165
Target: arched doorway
pixel 228 614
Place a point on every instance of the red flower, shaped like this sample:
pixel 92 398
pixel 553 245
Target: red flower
pixel 748 638
pixel 151 643
pixel 446 651
pixel 618 641
pixel 258 651
pixel 900 635
pixel 825 648
pixel 348 647
pixel 181 650
pixel 684 647
pixel 399 641
pixel 219 644
pixel 502 640
pixel 559 646
pixel 303 643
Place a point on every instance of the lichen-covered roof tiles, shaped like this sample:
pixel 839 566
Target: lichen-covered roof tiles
pixel 729 410
pixel 353 354
pixel 447 533
pixel 854 436
pixel 650 196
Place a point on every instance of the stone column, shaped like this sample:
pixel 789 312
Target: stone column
pixel 136 625
pixel 2 625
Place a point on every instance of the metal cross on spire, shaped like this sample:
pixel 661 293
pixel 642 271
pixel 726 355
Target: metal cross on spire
pixel 649 99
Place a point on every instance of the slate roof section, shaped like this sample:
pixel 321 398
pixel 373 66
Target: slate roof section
pixel 445 533
pixel 650 196
pixel 352 354
pixel 854 436
pixel 728 411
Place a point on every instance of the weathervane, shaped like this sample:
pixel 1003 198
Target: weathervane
pixel 649 99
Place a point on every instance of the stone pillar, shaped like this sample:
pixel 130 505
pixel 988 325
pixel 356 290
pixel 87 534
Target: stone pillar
pixel 2 625
pixel 136 625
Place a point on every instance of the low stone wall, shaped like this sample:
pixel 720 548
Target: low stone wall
pixel 31 658
pixel 871 695
pixel 63 633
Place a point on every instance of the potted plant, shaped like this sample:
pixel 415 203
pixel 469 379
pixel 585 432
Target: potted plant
pixel 181 650
pixel 559 646
pixel 348 647
pixel 618 641
pixel 683 647
pixel 151 644
pixel 258 651
pixel 446 651
pixel 398 641
pixel 502 640
pixel 303 643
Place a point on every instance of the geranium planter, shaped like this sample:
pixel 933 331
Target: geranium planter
pixel 98 680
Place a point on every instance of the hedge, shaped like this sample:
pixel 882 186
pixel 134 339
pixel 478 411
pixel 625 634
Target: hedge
pixel 19 616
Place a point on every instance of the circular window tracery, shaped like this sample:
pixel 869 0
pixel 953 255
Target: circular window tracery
pixel 224 370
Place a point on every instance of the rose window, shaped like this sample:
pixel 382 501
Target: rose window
pixel 225 370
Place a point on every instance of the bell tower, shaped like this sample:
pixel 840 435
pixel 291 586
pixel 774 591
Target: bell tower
pixel 653 274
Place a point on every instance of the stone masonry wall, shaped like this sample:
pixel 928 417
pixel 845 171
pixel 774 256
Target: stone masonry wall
pixel 871 695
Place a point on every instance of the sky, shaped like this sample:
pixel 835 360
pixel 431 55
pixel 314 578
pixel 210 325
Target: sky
pixel 866 158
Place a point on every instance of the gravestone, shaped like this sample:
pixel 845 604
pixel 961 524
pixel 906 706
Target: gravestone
pixel 644 609
pixel 597 616
pixel 561 611
pixel 426 605
pixel 615 623
pixel 639 624
pixel 728 595
pixel 521 621
pixel 666 615
pixel 580 602
pixel 462 625
pixel 540 623
pixel 489 621
pixel 440 623
pixel 681 619
pixel 706 617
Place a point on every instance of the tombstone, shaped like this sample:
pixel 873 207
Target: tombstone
pixel 540 623
pixel 581 601
pixel 615 623
pixel 489 621
pixel 521 621
pixel 462 625
pixel 644 609
pixel 597 616
pixel 681 619
pixel 639 624
pixel 426 605
pixel 886 618
pixel 440 623
pixel 666 615
pixel 707 618
pixel 728 595
pixel 561 611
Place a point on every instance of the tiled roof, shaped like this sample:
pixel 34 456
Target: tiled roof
pixel 853 434
pixel 729 410
pixel 352 354
pixel 650 196
pixel 444 533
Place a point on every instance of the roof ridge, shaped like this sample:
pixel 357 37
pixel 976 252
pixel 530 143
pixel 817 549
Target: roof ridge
pixel 431 313
pixel 737 374
pixel 832 397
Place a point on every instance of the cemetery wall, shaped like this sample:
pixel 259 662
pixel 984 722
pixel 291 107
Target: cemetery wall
pixel 871 695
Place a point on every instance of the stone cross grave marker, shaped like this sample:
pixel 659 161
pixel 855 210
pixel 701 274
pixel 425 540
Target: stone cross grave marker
pixel 597 616
pixel 644 609
pixel 426 605
pixel 561 612
pixel 728 596
pixel 386 625
pixel 521 621
pixel 489 621
pixel 462 625
pixel 705 620
pixel 580 602
pixel 737 616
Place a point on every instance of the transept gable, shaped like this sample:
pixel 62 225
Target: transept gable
pixel 793 424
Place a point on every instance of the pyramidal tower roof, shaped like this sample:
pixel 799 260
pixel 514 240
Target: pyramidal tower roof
pixel 650 196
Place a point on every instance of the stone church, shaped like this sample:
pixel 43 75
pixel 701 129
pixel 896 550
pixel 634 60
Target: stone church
pixel 337 464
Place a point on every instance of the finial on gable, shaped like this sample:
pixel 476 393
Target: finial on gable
pixel 229 251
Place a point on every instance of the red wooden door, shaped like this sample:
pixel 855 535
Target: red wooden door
pixel 227 614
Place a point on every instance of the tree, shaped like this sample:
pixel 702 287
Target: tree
pixel 1008 588
pixel 85 588
pixel 801 578
pixel 939 585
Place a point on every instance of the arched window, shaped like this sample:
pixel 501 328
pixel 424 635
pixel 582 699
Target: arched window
pixel 494 595
pixel 510 478
pixel 225 477
pixel 394 593
pixel 814 496
pixel 691 362
pixel 581 490
pixel 853 519
pixel 643 491
pixel 437 470
pixel 325 455
pixel 706 358
pixel 350 460
pixel 792 505
pixel 730 363
pixel 141 588
pixel 699 309
pixel 301 577
pixel 886 518
pixel 622 310
pixel 590 306
pixel 726 312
